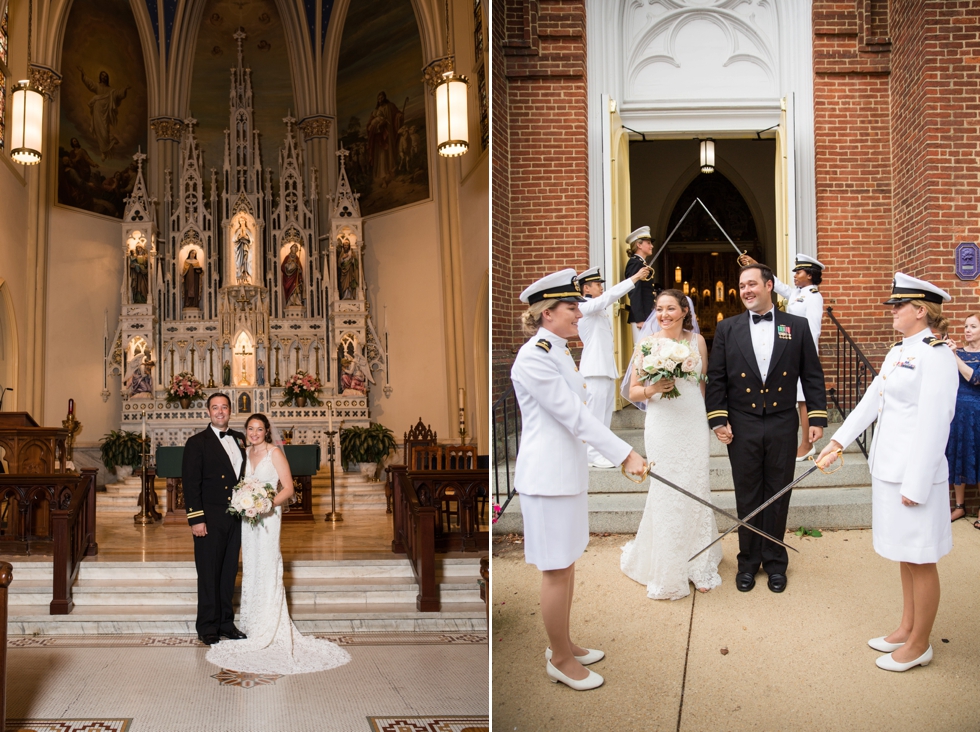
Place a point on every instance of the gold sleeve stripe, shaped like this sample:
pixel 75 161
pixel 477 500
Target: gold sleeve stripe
pixel 195 514
pixel 818 413
pixel 718 413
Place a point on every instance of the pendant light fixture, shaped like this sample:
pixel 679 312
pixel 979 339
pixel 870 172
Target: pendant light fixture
pixel 27 111
pixel 708 156
pixel 450 89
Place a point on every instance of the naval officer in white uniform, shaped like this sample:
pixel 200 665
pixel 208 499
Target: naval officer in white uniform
pixel 551 474
pixel 597 364
pixel 913 399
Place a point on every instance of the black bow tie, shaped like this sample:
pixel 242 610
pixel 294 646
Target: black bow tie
pixel 760 318
pixel 221 435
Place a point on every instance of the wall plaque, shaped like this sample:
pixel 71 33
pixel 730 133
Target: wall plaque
pixel 967 260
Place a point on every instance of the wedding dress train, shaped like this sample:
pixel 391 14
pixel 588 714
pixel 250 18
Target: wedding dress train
pixel 274 645
pixel 673 526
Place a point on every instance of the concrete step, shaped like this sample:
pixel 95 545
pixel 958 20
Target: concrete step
pixel 634 436
pixel 620 513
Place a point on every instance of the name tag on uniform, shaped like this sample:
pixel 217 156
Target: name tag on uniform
pixel 784 332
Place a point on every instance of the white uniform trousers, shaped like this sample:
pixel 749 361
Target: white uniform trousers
pixel 601 400
pixel 635 330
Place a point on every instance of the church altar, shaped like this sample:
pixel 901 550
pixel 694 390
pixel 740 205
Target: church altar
pixel 241 287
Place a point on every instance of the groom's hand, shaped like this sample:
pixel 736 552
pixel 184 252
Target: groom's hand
pixel 724 434
pixel 815 434
pixel 200 529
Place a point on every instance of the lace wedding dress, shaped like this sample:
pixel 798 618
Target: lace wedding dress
pixel 274 645
pixel 673 526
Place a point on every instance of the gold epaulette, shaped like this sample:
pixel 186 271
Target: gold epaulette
pixel 934 341
pixel 544 345
pixel 814 288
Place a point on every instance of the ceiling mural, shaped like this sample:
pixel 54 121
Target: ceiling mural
pixel 264 51
pixel 103 107
pixel 381 105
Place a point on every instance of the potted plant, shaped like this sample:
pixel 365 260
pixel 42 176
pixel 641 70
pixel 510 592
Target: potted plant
pixel 184 388
pixel 121 452
pixel 302 387
pixel 367 446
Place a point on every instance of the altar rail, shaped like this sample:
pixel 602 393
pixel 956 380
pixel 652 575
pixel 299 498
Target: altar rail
pixel 417 496
pixel 6 576
pixel 70 534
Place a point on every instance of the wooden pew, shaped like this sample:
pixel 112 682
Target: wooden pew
pixel 6 576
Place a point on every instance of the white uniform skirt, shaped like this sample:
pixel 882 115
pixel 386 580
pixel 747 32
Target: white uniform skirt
pixel 917 534
pixel 556 529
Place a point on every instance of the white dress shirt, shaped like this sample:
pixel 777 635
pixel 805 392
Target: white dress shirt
pixel 231 447
pixel 762 333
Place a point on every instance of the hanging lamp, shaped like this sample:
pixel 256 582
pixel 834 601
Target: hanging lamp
pixel 27 112
pixel 451 93
pixel 708 156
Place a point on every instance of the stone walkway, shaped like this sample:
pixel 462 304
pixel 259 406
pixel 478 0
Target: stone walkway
pixel 732 661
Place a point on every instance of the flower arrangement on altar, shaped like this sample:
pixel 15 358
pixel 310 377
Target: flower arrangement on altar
pixel 251 500
pixel 665 358
pixel 302 386
pixel 185 387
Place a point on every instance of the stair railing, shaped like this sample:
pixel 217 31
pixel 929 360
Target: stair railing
pixel 853 374
pixel 506 438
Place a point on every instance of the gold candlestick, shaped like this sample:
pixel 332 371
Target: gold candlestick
pixel 276 382
pixel 211 366
pixel 333 516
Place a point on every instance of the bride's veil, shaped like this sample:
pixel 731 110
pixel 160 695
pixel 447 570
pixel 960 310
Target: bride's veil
pixel 278 442
pixel 650 326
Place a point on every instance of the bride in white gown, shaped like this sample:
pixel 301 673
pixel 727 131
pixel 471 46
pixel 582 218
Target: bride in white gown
pixel 273 645
pixel 676 434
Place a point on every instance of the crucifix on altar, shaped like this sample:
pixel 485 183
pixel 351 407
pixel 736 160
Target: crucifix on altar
pixel 244 354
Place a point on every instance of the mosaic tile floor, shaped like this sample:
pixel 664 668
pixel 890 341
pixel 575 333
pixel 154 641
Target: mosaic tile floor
pixel 395 682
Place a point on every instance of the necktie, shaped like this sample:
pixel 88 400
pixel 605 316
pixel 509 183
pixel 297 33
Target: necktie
pixel 760 318
pixel 221 435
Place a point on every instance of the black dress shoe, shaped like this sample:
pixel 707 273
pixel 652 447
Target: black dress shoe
pixel 744 581
pixel 209 639
pixel 777 582
pixel 233 634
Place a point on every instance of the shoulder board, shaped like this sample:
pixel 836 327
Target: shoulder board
pixel 544 345
pixel 934 341
pixel 896 344
pixel 814 288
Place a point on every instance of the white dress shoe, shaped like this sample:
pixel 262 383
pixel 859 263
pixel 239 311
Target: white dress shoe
pixel 601 462
pixel 588 659
pixel 890 664
pixel 880 644
pixel 592 681
pixel 801 458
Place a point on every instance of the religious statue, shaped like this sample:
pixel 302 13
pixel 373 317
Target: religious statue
pixel 348 275
pixel 260 372
pixel 382 139
pixel 292 278
pixel 226 373
pixel 104 107
pixel 191 275
pixel 140 381
pixel 352 380
pixel 139 273
pixel 243 243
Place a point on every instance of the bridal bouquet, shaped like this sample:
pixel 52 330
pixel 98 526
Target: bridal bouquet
pixel 665 358
pixel 251 499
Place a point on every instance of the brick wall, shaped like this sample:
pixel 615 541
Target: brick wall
pixel 540 156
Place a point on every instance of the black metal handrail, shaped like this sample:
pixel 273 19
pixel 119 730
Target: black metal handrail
pixel 853 375
pixel 506 437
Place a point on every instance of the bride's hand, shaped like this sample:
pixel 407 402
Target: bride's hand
pixel 665 385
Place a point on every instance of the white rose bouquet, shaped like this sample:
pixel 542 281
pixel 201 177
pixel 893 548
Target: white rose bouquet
pixel 251 499
pixel 665 358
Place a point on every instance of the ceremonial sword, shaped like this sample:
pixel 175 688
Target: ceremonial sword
pixel 671 234
pixel 776 497
pixel 710 505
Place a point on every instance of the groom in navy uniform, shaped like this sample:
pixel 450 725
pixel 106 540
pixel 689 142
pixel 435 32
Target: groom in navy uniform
pixel 756 359
pixel 214 461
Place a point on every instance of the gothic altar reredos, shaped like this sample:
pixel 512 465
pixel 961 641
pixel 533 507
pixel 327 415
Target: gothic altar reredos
pixel 243 291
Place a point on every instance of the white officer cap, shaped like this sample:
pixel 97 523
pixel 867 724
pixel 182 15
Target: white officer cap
pixel 590 275
pixel 806 262
pixel 642 233
pixel 561 285
pixel 910 289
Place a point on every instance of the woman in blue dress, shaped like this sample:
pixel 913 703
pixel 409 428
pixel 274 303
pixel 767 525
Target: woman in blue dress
pixel 963 448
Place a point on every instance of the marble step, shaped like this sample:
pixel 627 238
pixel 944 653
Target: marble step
pixel 620 513
pixel 455 617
